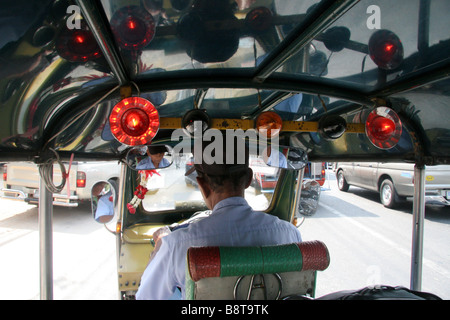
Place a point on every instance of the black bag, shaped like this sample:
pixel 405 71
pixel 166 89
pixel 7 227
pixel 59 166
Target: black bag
pixel 380 292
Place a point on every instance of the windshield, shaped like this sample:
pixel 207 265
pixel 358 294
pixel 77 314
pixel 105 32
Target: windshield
pixel 171 190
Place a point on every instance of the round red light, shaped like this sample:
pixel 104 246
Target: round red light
pixel 386 49
pixel 133 28
pixel 383 128
pixel 134 121
pixel 131 23
pixel 79 39
pixel 259 19
pixel 389 48
pixel 77 45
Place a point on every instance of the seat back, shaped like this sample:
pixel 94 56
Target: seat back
pixel 267 272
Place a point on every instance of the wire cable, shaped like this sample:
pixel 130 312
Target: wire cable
pixel 46 168
pixel 46 173
pixel 81 114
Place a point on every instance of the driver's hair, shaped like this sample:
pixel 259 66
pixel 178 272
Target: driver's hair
pixel 235 181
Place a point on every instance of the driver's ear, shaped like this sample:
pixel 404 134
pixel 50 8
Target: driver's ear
pixel 249 177
pixel 206 191
pixel 204 187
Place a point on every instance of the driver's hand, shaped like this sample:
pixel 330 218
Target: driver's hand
pixel 157 235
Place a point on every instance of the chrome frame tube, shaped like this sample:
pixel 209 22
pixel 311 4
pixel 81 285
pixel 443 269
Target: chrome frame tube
pixel 298 191
pixel 418 227
pixel 45 241
pixel 96 22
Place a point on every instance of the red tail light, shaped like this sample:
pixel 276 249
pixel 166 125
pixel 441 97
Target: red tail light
pixel 81 179
pixel 386 49
pixel 321 180
pixel 383 128
pixel 77 45
pixel 134 121
pixel 133 27
pixel 5 173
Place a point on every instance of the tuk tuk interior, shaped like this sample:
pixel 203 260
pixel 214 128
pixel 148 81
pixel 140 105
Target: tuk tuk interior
pixel 333 71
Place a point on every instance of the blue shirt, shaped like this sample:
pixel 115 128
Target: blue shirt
pixel 147 164
pixel 232 223
pixel 105 206
pixel 281 162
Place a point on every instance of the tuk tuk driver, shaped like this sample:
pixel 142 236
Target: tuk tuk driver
pixel 155 159
pixel 232 222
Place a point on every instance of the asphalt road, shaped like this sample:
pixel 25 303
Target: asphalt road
pixel 368 244
pixel 84 254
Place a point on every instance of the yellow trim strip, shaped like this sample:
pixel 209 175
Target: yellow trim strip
pixel 245 124
pixel 356 128
pixel 170 123
pixel 300 126
pixel 223 124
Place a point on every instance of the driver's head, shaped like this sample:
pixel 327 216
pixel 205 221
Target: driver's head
pixel 156 153
pixel 98 188
pixel 223 169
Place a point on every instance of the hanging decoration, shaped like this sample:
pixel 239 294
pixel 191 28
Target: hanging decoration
pixel 141 190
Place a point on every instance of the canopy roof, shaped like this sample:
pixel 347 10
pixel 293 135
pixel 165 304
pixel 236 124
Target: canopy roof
pixel 235 59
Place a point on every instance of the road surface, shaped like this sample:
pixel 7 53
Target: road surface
pixel 368 244
pixel 84 254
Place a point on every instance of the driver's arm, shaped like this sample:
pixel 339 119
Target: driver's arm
pixel 157 282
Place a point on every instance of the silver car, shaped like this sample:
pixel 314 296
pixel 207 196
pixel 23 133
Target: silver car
pixel 394 181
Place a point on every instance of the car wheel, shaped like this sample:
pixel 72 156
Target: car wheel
pixel 342 183
pixel 309 198
pixel 388 195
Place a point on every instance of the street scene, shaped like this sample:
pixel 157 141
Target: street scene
pixel 371 244
pixel 368 243
pixel 125 121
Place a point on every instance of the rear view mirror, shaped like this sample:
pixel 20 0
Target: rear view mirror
pixel 103 200
pixel 285 157
pixel 149 157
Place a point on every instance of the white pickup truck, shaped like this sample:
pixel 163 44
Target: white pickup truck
pixel 21 181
